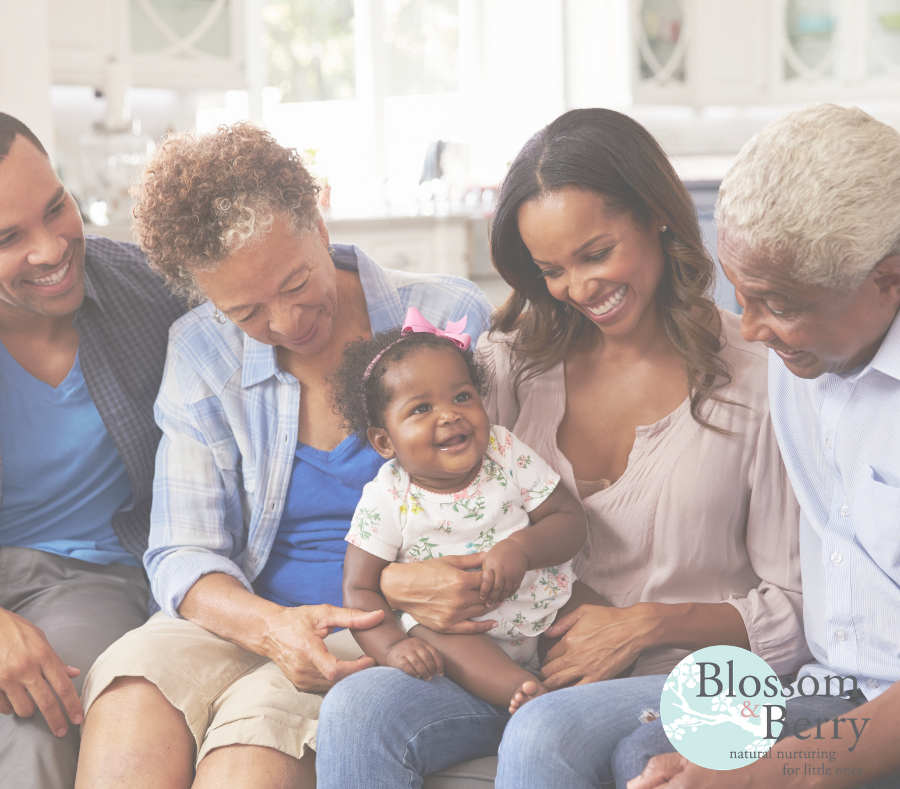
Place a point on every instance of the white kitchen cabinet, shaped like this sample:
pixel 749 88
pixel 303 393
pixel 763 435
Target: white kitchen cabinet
pixel 456 245
pixel 421 244
pixel 707 52
pixel 161 43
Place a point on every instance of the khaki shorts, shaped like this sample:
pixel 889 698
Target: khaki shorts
pixel 228 696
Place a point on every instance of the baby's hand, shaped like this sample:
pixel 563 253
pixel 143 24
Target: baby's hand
pixel 416 657
pixel 502 572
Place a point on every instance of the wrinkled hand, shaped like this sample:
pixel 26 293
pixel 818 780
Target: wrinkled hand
pixel 295 642
pixel 673 771
pixel 659 771
pixel 597 643
pixel 29 668
pixel 416 657
pixel 502 572
pixel 439 593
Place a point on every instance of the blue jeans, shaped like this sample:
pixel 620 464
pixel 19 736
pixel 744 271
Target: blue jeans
pixel 382 729
pixel 574 738
pixel 652 740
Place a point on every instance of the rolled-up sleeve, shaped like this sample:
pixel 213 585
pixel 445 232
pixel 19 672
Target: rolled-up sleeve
pixel 773 611
pixel 194 490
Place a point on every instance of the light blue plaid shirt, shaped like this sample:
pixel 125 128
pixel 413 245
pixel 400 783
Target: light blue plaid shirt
pixel 229 416
pixel 840 439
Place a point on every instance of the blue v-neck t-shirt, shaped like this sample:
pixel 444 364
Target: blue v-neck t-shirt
pixel 63 478
pixel 306 565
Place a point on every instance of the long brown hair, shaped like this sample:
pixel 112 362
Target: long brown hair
pixel 611 155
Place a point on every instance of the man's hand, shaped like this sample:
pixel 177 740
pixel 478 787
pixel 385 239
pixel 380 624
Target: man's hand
pixel 673 771
pixel 597 643
pixel 295 642
pixel 439 593
pixel 29 668
pixel 659 771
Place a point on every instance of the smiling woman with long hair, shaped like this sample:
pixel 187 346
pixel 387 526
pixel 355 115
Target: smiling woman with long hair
pixel 612 362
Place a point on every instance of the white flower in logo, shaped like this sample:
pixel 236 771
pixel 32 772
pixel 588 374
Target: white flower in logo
pixel 721 702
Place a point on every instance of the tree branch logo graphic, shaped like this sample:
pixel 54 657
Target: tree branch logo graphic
pixel 716 707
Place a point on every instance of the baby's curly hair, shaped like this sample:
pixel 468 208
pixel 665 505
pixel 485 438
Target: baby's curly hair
pixel 202 197
pixel 361 404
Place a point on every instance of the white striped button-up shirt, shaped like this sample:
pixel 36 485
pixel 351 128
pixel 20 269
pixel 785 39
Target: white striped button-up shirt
pixel 229 417
pixel 840 439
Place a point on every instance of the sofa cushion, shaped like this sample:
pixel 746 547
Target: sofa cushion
pixel 477 774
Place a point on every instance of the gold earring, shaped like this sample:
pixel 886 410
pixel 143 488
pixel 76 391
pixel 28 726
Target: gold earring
pixel 331 250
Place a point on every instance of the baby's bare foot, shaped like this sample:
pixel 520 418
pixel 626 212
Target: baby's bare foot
pixel 528 690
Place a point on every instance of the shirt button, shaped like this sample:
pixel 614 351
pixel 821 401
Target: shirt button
pixel 827 443
pixel 841 635
pixel 836 557
pixel 872 683
pixel 845 510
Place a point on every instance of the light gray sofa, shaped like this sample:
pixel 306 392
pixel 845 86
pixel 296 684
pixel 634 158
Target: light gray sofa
pixel 477 774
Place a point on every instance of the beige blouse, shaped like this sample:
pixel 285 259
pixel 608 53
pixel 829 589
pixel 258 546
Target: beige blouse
pixel 697 516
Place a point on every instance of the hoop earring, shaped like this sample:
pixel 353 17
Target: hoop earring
pixel 217 316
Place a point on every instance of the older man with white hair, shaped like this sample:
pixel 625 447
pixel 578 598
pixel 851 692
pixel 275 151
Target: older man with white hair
pixel 809 233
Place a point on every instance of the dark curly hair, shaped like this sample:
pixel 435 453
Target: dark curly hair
pixel 202 197
pixel 361 404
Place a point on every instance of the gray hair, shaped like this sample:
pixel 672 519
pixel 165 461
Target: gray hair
pixel 202 197
pixel 818 189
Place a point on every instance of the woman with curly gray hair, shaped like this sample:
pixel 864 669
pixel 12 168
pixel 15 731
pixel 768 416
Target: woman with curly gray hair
pixel 256 477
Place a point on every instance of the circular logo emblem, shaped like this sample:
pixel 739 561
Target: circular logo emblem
pixel 722 707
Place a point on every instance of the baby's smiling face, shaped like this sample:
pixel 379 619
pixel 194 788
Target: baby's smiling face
pixel 435 423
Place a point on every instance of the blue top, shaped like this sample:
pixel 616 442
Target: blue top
pixel 839 435
pixel 63 479
pixel 229 417
pixel 322 495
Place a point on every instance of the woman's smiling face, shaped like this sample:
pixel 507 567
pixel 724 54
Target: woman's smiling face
pixel 282 291
pixel 607 266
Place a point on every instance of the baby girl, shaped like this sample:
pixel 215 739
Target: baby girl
pixel 454 484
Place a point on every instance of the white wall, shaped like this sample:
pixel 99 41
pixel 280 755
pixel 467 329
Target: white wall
pixel 25 67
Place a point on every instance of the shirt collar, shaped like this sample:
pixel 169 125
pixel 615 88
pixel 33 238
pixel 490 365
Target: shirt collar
pixel 382 298
pixel 260 363
pixel 382 301
pixel 90 291
pixel 887 357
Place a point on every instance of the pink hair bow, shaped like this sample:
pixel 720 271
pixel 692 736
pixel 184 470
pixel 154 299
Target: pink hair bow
pixel 415 322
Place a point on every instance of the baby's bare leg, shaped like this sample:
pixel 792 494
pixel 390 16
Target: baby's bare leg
pixel 477 663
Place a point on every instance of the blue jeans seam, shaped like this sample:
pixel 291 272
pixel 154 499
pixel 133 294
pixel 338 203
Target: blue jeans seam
pixel 406 760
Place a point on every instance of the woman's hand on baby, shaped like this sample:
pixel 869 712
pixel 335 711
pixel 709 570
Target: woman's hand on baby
pixel 598 643
pixel 416 657
pixel 502 572
pixel 442 593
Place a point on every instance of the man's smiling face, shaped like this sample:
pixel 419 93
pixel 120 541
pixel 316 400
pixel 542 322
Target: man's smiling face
pixel 41 237
pixel 813 329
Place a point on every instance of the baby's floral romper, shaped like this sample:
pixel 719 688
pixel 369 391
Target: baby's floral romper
pixel 401 522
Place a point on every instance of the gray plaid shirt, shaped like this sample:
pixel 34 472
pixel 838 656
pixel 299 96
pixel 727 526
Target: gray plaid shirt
pixel 124 326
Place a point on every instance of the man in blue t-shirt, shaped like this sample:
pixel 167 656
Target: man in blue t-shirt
pixel 83 332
